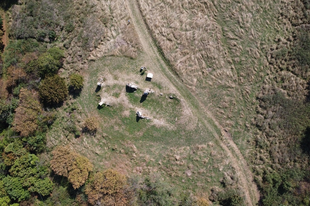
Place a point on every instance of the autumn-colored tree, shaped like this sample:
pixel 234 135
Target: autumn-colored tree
pixel 3 92
pixel 91 124
pixel 26 116
pixel 202 202
pixel 70 164
pixel 15 75
pixel 53 90
pixel 107 187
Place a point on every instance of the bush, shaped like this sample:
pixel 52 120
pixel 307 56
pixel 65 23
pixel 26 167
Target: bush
pixel 76 82
pixel 156 192
pixel 53 90
pixel 91 125
pixel 47 65
pixel 69 27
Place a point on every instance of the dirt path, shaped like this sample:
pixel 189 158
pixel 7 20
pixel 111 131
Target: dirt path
pixel 223 140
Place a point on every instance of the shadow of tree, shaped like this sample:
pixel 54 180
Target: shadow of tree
pixel 143 98
pixel 6 4
pixel 305 142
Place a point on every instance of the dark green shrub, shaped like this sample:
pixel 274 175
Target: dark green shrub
pixel 53 90
pixel 156 192
pixel 69 27
pixel 52 36
pixel 76 82
pixel 47 65
pixel 56 53
pixel 35 144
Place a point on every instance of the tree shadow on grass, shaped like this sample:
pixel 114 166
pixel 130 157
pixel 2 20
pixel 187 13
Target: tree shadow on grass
pixel 6 4
pixel 98 88
pixel 305 142
pixel 143 98
pixel 130 90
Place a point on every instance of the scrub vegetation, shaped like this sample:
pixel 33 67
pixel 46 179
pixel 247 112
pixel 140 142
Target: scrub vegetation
pixel 225 122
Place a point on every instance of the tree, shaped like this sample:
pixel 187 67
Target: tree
pixel 47 65
pixel 4 198
pixel 53 90
pixel 69 164
pixel 76 82
pixel 25 120
pixel 14 188
pixel 108 188
pixel 33 176
pixel 12 151
pixel 15 75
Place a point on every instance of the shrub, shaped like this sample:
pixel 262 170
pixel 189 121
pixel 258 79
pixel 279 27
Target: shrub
pixel 53 90
pixel 69 27
pixel 91 124
pixel 153 191
pixel 47 65
pixel 76 82
pixel 56 53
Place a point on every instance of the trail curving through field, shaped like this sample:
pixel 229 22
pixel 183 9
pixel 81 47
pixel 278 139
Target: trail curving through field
pixel 243 172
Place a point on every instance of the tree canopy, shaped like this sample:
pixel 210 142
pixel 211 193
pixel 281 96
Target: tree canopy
pixel 76 82
pixel 33 176
pixel 70 164
pixel 107 187
pixel 53 90
pixel 26 116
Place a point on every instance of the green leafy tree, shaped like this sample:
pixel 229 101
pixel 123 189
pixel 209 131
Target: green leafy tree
pixel 15 189
pixel 4 201
pixel 76 82
pixel 13 151
pixel 53 90
pixel 4 198
pixel 47 65
pixel 33 176
pixel 35 144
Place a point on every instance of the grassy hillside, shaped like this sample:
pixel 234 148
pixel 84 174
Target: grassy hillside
pixel 245 67
pixel 247 61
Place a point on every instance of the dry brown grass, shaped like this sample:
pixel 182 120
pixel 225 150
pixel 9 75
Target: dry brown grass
pixel 230 53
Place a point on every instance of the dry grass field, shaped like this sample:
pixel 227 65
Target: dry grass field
pixel 222 60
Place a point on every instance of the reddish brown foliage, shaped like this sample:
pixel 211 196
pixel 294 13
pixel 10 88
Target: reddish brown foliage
pixel 15 75
pixel 25 120
pixel 70 164
pixel 3 91
pixel 107 187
